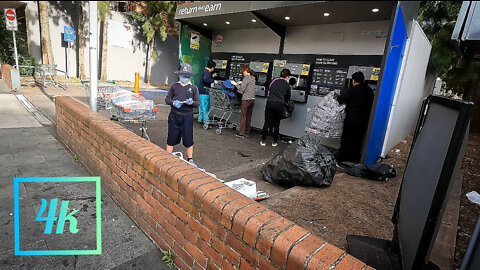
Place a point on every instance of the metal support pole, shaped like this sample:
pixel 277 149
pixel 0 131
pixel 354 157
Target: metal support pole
pixel 93 55
pixel 15 50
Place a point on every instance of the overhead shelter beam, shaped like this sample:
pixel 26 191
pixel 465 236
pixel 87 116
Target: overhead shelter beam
pixel 278 29
pixel 203 31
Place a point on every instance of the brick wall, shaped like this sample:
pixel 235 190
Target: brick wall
pixel 6 74
pixel 205 223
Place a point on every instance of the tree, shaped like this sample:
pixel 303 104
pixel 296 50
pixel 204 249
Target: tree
pixel 103 12
pixel 438 19
pixel 47 54
pixel 81 41
pixel 156 17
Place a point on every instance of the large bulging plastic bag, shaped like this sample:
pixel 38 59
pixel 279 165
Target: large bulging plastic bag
pixel 303 163
pixel 326 118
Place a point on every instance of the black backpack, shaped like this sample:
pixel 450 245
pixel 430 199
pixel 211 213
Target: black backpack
pixel 377 172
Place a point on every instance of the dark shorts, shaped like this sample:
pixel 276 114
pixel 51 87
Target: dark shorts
pixel 180 127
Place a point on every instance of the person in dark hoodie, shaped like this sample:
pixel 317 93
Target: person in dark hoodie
pixel 205 81
pixel 183 96
pixel 358 100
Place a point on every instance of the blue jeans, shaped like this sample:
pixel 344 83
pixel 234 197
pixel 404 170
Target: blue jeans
pixel 204 108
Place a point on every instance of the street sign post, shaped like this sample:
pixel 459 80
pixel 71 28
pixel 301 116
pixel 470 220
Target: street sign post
pixel 68 36
pixel 12 25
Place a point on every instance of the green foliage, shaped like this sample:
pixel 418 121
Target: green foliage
pixel 103 10
pixel 157 17
pixel 7 51
pixel 168 258
pixel 438 19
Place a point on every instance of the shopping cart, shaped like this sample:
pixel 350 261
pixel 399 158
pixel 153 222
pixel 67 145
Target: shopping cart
pixel 133 109
pixel 224 111
pixel 104 89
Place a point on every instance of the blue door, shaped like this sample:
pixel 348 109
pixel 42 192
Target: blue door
pixel 387 88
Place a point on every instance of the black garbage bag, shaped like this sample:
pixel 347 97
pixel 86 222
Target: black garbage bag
pixel 377 172
pixel 304 163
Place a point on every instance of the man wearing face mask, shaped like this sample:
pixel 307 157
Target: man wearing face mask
pixel 183 96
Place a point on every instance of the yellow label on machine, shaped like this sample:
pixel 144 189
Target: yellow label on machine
pixel 224 64
pixel 375 73
pixel 265 67
pixel 305 70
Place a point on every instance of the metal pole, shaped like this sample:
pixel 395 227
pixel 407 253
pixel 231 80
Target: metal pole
pixel 93 55
pixel 15 49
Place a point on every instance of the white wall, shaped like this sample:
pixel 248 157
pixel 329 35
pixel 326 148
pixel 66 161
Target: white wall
pixel 410 90
pixel 360 38
pixel 122 63
pixel 257 40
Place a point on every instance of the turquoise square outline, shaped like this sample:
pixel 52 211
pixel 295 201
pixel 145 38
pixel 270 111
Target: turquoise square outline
pixel 98 192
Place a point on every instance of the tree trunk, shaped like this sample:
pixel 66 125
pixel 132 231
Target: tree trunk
pixel 103 76
pixel 47 54
pixel 150 52
pixel 81 43
pixel 472 94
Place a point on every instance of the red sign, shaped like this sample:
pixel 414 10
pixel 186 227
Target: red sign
pixel 10 15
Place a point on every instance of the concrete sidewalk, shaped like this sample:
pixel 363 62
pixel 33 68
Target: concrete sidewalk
pixel 28 149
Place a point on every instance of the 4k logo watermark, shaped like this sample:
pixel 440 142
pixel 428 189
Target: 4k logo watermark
pixel 50 219
pixel 47 217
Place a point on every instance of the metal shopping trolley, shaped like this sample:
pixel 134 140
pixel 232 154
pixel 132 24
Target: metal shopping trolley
pixel 104 89
pixel 224 111
pixel 124 106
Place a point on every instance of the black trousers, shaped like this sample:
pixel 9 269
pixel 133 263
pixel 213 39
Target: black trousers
pixel 352 140
pixel 273 116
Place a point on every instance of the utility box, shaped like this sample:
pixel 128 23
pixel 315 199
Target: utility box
pixel 15 77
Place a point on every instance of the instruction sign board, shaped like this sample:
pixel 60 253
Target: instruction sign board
pixel 68 34
pixel 195 41
pixel 11 19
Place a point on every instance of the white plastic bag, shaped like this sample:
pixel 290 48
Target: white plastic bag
pixel 244 186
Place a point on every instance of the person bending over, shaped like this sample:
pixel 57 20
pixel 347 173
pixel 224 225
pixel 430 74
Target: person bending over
pixel 358 100
pixel 279 93
pixel 183 96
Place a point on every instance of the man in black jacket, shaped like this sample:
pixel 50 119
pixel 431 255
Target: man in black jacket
pixel 358 100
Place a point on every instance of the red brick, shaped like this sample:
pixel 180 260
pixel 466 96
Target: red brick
pixel 143 204
pixel 251 255
pixel 159 196
pixel 173 232
pixel 185 230
pixel 174 174
pixel 209 252
pixel 212 266
pixel 243 215
pixel 178 177
pixel 151 201
pixel 267 265
pixel 167 166
pixel 212 195
pixel 325 257
pixel 220 202
pixel 200 192
pixel 231 209
pixel 187 179
pixel 283 243
pixel 214 227
pixel 255 223
pixel 170 193
pixel 188 207
pixel 231 255
pixel 269 232
pixel 195 184
pixel 145 185
pixel 203 232
pixel 177 211
pixel 196 254
pixel 302 250
pixel 244 265
pixel 162 162
pixel 350 263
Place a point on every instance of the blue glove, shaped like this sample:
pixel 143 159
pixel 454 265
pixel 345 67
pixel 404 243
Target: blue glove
pixel 177 104
pixel 189 101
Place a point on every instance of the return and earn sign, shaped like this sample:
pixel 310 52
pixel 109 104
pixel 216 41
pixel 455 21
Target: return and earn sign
pixel 11 19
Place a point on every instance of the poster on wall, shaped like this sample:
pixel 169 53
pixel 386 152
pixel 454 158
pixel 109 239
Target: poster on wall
pixel 219 41
pixel 195 41
pixel 120 34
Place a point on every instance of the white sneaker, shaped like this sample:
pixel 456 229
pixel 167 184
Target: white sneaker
pixel 192 163
pixel 274 144
pixel 263 143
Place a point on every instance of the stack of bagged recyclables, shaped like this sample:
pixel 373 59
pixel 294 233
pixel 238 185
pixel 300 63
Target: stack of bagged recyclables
pixel 128 105
pixel 326 119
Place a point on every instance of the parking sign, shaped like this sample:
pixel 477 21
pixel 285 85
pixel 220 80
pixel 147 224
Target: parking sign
pixel 68 34
pixel 11 19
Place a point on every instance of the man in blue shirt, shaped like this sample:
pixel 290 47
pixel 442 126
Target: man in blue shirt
pixel 182 97
pixel 205 81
